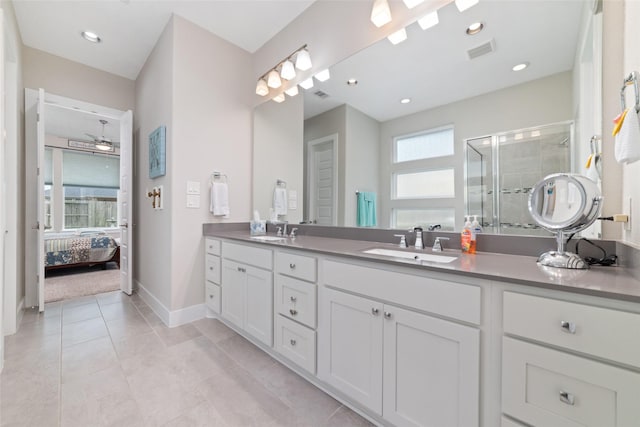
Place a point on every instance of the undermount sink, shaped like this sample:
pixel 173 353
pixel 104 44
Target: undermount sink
pixel 418 256
pixel 269 238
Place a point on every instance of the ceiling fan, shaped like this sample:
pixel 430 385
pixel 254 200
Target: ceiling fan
pixel 101 142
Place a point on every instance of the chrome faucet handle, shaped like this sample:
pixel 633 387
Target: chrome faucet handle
pixel 403 240
pixel 293 232
pixel 437 244
pixel 279 232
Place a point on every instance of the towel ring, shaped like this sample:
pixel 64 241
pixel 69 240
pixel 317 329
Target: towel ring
pixel 631 79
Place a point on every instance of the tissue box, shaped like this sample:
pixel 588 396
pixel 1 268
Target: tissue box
pixel 258 228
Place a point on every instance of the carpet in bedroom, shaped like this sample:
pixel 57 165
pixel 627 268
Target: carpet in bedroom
pixel 74 282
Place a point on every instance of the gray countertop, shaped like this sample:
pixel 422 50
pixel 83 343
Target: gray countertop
pixel 608 282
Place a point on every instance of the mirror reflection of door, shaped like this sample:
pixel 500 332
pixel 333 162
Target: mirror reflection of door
pixel 322 181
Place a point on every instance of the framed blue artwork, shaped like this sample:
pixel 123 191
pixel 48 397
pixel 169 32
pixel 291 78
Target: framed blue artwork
pixel 157 152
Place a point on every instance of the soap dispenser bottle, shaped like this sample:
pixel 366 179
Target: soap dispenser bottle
pixel 465 236
pixel 475 230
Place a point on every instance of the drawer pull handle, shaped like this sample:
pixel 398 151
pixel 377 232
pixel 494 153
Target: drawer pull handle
pixel 568 327
pixel 293 312
pixel 293 299
pixel 211 268
pixel 242 270
pixel 292 266
pixel 375 311
pixel 567 398
pixel 387 315
pixel 211 296
pixel 292 341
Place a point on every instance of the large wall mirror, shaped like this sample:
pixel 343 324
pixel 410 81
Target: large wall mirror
pixel 403 134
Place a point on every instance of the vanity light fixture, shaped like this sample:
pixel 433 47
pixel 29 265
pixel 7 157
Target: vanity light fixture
pixel 323 75
pixel 91 36
pixel 273 79
pixel 463 5
pixel 398 37
pixel 475 28
pixel 429 20
pixel 412 3
pixel 520 67
pixel 292 91
pixel 287 71
pixel 380 14
pixel 405 100
pixel 307 84
pixel 261 88
pixel 352 82
pixel 279 98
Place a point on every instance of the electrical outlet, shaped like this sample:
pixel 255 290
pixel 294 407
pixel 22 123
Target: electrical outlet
pixel 627 211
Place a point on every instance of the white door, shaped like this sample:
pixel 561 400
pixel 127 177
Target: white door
pixel 39 219
pixel 233 288
pixel 431 371
pixel 350 346
pixel 125 209
pixel 259 304
pixel 322 181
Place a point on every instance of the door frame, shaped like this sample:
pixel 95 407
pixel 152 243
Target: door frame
pixel 311 146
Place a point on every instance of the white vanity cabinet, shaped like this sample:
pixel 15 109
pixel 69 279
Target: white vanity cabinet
pixel 411 368
pixel 545 383
pixel 247 289
pixel 212 275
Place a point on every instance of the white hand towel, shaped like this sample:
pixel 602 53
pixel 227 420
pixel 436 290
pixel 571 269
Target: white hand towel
pixel 280 201
pixel 627 149
pixel 219 199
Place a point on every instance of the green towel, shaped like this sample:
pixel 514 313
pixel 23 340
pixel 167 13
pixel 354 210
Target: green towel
pixel 366 209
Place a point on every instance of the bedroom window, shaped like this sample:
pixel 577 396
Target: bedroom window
pixel 48 188
pixel 90 184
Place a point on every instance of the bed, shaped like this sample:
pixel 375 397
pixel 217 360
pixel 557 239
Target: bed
pixel 76 250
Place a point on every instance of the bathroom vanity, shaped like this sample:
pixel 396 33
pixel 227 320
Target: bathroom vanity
pixel 480 340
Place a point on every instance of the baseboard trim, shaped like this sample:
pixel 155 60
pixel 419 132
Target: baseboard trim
pixel 168 317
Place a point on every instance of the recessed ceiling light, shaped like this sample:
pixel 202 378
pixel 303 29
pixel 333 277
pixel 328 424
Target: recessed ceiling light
pixel 91 36
pixel 405 100
pixel 520 67
pixel 475 28
pixel 352 82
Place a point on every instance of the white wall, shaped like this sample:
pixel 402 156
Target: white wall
pixel 278 154
pixel 549 100
pixel 152 228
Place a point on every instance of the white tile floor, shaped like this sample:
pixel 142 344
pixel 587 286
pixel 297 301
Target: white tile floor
pixel 108 360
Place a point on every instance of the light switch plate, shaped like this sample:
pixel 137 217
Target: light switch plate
pixel 193 187
pixel 193 201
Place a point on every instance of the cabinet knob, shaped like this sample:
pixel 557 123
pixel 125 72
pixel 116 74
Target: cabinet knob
pixel 292 266
pixel 567 398
pixel 242 270
pixel 293 299
pixel 375 311
pixel 387 315
pixel 293 312
pixel 211 296
pixel 211 268
pixel 292 341
pixel 568 327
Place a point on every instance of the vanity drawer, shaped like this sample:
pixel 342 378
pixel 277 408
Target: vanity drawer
pixel 297 343
pixel 545 387
pixel 602 332
pixel 296 300
pixel 450 299
pixel 212 268
pixel 300 266
pixel 212 246
pixel 212 297
pixel 250 255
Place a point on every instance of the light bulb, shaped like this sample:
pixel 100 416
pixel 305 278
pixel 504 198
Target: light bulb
pixel 429 20
pixel 323 75
pixel 380 14
pixel 398 37
pixel 307 84
pixel 279 98
pixel 292 91
pixel 412 3
pixel 463 5
pixel 261 88
pixel 303 60
pixel 273 80
pixel 287 72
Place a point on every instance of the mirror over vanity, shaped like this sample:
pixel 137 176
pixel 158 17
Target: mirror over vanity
pixel 440 125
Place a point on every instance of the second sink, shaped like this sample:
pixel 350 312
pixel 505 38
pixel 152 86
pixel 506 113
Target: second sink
pixel 418 256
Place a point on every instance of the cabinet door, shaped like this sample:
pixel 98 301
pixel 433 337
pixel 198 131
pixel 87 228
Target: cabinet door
pixel 431 370
pixel 233 291
pixel 258 319
pixel 350 350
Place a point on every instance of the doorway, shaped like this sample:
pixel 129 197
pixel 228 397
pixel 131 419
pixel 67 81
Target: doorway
pixel 322 180
pixel 78 188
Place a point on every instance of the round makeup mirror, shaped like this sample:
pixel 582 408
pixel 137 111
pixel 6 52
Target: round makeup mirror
pixel 565 204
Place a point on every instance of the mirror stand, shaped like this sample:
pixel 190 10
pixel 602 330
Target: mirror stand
pixel 561 258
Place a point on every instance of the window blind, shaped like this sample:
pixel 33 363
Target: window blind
pixel 90 170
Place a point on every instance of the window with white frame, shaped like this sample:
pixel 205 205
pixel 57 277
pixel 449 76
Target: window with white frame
pixel 423 179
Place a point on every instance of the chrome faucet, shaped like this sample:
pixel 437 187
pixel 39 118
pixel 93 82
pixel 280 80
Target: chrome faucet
pixel 293 232
pixel 437 244
pixel 403 240
pixel 433 227
pixel 418 231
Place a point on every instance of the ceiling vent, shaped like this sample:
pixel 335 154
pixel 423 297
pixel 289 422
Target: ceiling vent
pixel 320 94
pixel 483 49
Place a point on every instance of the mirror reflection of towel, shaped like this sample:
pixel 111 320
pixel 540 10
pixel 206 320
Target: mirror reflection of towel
pixel 366 209
pixel 219 199
pixel 280 201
